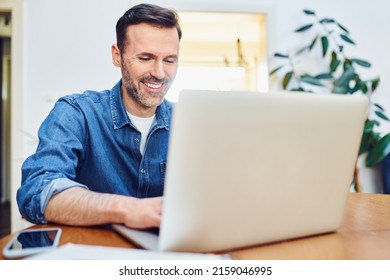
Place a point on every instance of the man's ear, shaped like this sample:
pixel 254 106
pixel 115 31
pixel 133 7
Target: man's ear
pixel 116 55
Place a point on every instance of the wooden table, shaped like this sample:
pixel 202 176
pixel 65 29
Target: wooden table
pixel 365 234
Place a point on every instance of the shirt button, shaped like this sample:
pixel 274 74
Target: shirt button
pixel 143 171
pixel 136 140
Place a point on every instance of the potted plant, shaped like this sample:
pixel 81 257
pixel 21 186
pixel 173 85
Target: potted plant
pixel 336 73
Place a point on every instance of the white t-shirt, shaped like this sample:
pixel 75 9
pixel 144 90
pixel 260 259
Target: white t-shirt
pixel 143 125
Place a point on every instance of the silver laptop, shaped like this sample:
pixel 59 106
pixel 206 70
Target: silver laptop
pixel 249 168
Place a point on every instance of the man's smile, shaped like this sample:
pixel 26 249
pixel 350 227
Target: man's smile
pixel 153 85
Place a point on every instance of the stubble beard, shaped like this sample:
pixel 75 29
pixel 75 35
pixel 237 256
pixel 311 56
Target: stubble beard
pixel 139 96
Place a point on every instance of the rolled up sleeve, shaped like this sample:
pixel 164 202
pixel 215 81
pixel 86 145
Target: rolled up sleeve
pixel 52 168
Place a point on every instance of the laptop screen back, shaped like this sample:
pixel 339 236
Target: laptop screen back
pixel 248 168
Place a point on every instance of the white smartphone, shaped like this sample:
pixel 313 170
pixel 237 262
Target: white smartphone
pixel 32 241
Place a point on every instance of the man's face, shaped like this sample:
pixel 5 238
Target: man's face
pixel 149 65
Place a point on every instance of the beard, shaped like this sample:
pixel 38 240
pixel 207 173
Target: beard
pixel 144 98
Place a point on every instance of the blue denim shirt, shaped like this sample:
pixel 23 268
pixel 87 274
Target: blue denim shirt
pixel 88 140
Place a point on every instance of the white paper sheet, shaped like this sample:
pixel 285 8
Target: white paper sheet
pixel 71 251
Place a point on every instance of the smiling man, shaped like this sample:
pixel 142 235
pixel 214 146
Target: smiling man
pixel 148 64
pixel 101 156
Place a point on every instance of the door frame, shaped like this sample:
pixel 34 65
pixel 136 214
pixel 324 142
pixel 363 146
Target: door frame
pixel 15 7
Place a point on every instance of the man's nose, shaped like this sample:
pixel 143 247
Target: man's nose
pixel 158 70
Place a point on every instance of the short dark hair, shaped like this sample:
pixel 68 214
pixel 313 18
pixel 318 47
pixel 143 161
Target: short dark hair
pixel 146 13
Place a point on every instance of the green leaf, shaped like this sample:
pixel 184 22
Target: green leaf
pixel 280 55
pixel 324 76
pixel 347 64
pixel 343 28
pixel 340 89
pixel 369 140
pixel 334 65
pixel 334 62
pixel 379 151
pixel 302 50
pixel 275 70
pixel 311 80
pixel 369 126
pixel 374 84
pixel 379 107
pixel 358 86
pixel 327 20
pixel 309 12
pixel 304 28
pixel 313 43
pixel 381 115
pixel 363 87
pixel 325 45
pixel 361 62
pixel 347 39
pixel 287 79
pixel 299 89
pixel 345 78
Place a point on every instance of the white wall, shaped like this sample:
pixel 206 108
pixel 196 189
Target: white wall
pixel 67 50
pixel 66 45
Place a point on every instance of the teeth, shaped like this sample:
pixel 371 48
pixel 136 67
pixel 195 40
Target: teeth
pixel 155 86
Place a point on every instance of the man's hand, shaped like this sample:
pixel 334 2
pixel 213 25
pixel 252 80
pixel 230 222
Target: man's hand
pixel 144 213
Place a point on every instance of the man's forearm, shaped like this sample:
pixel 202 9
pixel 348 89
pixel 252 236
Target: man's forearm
pixel 78 206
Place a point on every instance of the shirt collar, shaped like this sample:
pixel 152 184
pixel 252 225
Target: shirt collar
pixel 119 114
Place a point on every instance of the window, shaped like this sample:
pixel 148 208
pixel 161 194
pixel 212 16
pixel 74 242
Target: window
pixel 222 51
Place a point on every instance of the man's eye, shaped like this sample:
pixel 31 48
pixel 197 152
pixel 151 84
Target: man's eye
pixel 144 58
pixel 171 60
